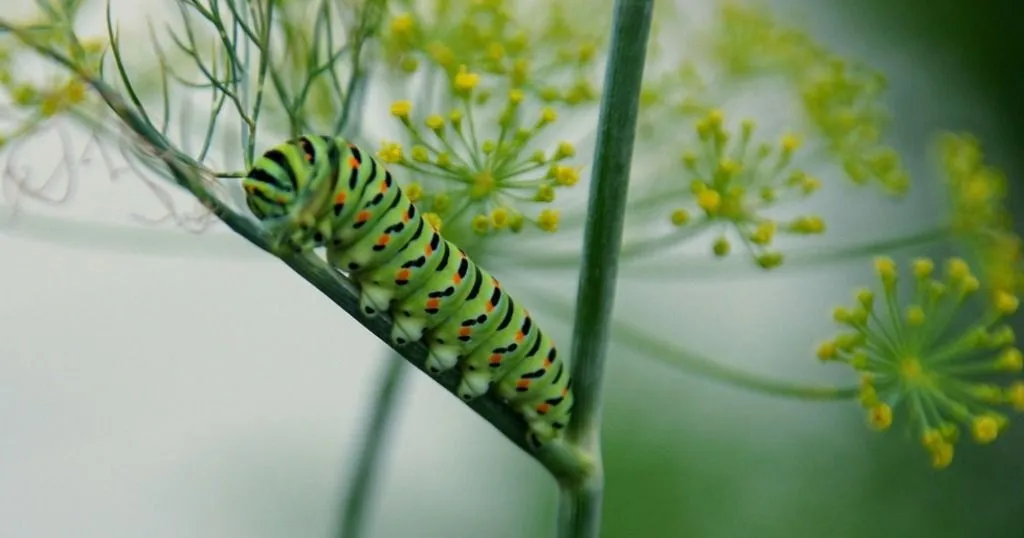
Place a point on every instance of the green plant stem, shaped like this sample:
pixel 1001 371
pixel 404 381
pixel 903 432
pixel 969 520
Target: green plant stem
pixel 580 502
pixel 677 357
pixel 670 265
pixel 367 462
pixel 564 464
pixel 369 24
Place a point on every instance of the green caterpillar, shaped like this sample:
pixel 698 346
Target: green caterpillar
pixel 320 191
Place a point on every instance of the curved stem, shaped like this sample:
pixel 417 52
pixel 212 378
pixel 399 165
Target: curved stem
pixel 698 266
pixel 360 489
pixel 580 502
pixel 674 356
pixel 369 23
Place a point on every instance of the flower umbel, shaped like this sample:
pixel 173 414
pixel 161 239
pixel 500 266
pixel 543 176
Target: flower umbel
pixel 34 102
pixel 553 60
pixel 484 182
pixel 977 193
pixel 915 368
pixel 732 179
pixel 842 99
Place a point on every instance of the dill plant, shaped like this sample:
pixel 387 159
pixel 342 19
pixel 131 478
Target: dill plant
pixel 484 88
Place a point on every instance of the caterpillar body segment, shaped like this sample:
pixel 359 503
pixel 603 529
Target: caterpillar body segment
pixel 317 191
pixel 487 308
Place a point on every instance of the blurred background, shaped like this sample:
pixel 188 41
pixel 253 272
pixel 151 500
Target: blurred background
pixel 147 391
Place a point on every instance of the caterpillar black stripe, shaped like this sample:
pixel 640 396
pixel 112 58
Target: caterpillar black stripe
pixel 321 191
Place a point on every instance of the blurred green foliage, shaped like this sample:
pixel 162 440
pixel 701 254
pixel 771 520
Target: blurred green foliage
pixel 847 481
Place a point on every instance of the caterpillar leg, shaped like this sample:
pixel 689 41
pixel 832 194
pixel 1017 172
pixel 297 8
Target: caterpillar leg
pixel 303 227
pixel 442 358
pixel 474 384
pixel 407 329
pixel 296 233
pixel 541 430
pixel 374 298
pixel 538 438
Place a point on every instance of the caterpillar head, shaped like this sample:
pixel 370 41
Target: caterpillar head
pixel 288 188
pixel 291 177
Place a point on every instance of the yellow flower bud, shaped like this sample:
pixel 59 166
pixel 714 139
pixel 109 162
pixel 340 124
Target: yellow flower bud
pixel 886 269
pixel 548 115
pixel 880 416
pixel 481 224
pixel 915 316
pixel 545 193
pixel 1006 303
pixel 401 109
pixel 402 24
pixel 709 200
pixel 1010 360
pixel 923 268
pixel 721 247
pixel 516 96
pixel 565 149
pixel 414 191
pixel 548 220
pixel 566 175
pixel 680 217
pixel 499 218
pixel 827 350
pixel 435 122
pixel 465 81
pixel 434 220
pixel 985 429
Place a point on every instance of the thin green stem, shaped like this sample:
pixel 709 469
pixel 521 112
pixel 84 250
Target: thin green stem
pixel 369 23
pixel 261 78
pixel 580 503
pixel 677 357
pixel 367 462
pixel 693 266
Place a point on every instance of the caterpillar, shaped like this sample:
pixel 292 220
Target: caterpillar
pixel 317 191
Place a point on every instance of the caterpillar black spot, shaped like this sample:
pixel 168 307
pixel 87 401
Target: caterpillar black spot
pixel 324 191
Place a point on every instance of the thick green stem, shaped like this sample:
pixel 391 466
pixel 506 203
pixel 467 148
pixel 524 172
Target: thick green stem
pixel 579 509
pixel 580 502
pixel 360 489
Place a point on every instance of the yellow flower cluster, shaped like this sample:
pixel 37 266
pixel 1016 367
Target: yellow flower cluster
pixel 747 41
pixel 482 182
pixel 914 363
pixel 977 191
pixel 977 194
pixel 679 93
pixel 554 60
pixel 38 102
pixel 842 100
pixel 733 179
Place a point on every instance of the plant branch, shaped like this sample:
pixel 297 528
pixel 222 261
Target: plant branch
pixel 671 265
pixel 580 503
pixel 369 23
pixel 565 465
pixel 367 462
pixel 672 355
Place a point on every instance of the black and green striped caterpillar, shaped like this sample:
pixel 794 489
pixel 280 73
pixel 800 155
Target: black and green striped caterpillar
pixel 318 191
